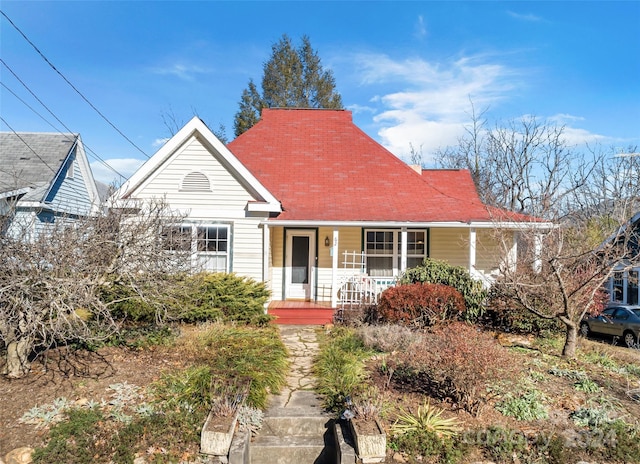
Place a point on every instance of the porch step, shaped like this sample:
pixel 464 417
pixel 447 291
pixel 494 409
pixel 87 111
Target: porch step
pixel 302 316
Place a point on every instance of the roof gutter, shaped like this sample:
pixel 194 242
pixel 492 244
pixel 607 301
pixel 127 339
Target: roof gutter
pixel 400 224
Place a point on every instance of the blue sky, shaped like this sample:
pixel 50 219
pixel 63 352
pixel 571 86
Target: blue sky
pixel 407 70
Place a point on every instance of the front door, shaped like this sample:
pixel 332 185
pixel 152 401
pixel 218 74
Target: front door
pixel 299 266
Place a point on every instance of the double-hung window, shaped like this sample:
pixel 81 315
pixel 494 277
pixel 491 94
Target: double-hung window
pixel 207 243
pixel 213 247
pixel 383 250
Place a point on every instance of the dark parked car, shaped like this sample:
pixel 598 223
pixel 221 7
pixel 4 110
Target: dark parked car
pixel 617 320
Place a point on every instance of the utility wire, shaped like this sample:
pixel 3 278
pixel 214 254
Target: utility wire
pixel 27 145
pixel 72 86
pixel 54 171
pixel 52 114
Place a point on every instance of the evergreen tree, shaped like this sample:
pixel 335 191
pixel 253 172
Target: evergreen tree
pixel 293 78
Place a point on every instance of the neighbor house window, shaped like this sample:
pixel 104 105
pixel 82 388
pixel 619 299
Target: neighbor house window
pixel 383 249
pixel 617 291
pixel 632 288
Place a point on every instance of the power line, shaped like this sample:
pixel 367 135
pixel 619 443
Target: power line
pixel 52 114
pixel 72 86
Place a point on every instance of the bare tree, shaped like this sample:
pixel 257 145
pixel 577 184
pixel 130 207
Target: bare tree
pixel 524 165
pixel 50 285
pixel 560 275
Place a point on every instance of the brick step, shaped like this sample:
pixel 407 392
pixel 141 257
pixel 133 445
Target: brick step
pixel 302 316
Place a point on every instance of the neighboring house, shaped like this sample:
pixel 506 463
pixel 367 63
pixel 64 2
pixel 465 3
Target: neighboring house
pixel 623 285
pixel 304 200
pixel 44 178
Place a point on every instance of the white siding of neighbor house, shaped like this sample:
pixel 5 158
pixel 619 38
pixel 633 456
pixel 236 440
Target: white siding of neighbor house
pixel 224 201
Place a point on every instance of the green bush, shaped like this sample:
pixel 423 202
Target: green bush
pixel 440 272
pixel 254 356
pixel 421 304
pixel 220 296
pixel 340 368
pixel 193 298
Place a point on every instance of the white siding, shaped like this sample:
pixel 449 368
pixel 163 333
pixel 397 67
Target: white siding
pixel 222 200
pixel 227 195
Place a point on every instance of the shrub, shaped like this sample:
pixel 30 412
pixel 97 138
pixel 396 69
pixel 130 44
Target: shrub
pixel 223 296
pixel 502 314
pixel 420 304
pixel 440 272
pixel 194 298
pixel 388 338
pixel 455 362
pixel 254 356
pixel 340 368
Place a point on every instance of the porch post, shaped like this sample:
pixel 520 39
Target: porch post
pixel 334 269
pixel 537 253
pixel 266 247
pixel 513 252
pixel 472 251
pixel 403 249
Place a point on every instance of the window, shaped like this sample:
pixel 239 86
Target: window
pixel 632 288
pixel 177 238
pixel 212 245
pixel 209 244
pixel 617 292
pixel 383 250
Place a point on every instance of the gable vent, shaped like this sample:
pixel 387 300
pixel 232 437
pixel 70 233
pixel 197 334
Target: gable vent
pixel 195 182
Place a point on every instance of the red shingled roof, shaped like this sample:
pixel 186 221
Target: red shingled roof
pixel 322 167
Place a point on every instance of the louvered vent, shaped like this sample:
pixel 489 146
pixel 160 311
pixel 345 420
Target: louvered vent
pixel 195 182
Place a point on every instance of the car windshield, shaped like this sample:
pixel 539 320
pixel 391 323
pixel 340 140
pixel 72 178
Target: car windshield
pixel 636 311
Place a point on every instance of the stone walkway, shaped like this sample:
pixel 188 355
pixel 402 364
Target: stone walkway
pixel 302 343
pixel 296 430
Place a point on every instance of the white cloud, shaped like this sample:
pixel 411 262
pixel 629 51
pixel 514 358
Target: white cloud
pixel 420 28
pixel 124 166
pixel 434 103
pixel 183 71
pixel 529 17
pixel 159 142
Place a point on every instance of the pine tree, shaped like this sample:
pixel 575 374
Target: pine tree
pixel 293 78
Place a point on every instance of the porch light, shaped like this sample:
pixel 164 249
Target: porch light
pixel 327 242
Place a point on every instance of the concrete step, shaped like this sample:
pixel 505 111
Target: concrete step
pixel 269 449
pixel 290 424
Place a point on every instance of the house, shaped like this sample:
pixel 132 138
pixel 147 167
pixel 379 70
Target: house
pixel 44 178
pixel 306 201
pixel 623 284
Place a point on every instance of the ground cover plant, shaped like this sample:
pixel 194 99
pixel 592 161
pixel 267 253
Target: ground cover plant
pixel 548 410
pixel 148 400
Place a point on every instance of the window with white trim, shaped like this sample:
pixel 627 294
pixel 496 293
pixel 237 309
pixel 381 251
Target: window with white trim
pixel 383 250
pixel 208 243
